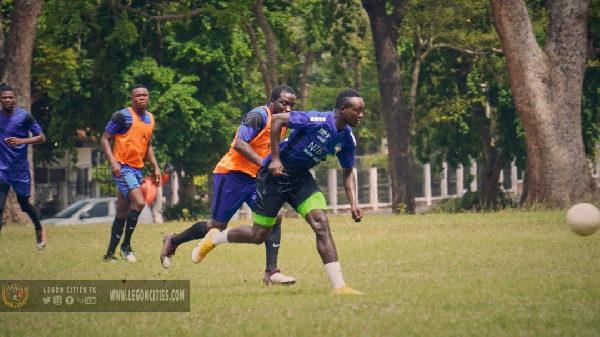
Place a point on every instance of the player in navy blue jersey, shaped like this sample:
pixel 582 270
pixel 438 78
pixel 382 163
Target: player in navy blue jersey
pixel 15 125
pixel 285 177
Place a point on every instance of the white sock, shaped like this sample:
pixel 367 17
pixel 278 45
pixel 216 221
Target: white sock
pixel 219 238
pixel 334 271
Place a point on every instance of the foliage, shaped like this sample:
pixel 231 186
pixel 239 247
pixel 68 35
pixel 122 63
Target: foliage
pixel 471 201
pixel 197 209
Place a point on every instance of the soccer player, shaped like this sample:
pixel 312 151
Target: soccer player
pixel 235 183
pixel 131 130
pixel 285 177
pixel 15 124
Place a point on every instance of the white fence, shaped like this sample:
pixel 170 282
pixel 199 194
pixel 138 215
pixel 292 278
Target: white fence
pixel 374 188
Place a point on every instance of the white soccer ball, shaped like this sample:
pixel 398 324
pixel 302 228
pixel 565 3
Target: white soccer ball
pixel 583 219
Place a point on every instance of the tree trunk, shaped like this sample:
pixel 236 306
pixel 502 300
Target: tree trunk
pixel 270 43
pixel 397 115
pixel 16 72
pixel 547 89
pixel 493 164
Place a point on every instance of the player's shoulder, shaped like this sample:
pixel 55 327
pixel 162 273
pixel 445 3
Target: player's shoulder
pixel 256 118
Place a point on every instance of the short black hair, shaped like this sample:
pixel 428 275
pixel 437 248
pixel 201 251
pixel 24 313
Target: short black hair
pixel 5 87
pixel 276 93
pixel 344 95
pixel 137 86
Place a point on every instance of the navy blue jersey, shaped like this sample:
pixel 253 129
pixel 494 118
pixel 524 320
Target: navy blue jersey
pixel 17 125
pixel 313 139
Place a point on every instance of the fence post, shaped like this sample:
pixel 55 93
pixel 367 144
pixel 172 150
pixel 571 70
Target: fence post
pixel 63 194
pixel 332 187
pixel 444 186
pixel 513 176
pixel 427 182
pixel 460 184
pixel 373 195
pixel 473 172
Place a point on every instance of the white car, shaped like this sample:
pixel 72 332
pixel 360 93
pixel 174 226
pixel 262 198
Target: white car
pixel 92 211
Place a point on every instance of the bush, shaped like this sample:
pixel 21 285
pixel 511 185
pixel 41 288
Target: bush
pixel 471 201
pixel 187 211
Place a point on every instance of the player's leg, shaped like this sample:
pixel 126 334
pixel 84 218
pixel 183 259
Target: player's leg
pixel 133 178
pixel 272 274
pixel 123 207
pixel 22 187
pixel 310 203
pixel 4 188
pixel 265 214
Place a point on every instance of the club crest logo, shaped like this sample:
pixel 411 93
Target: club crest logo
pixel 15 295
pixel 338 148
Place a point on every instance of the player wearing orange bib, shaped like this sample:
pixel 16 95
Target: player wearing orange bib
pixel 235 183
pixel 131 130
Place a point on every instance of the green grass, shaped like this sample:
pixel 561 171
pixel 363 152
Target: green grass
pixel 493 274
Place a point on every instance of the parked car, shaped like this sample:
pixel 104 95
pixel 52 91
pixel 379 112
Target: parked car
pixel 92 211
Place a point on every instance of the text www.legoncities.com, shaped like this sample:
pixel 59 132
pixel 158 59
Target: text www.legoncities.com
pixel 147 295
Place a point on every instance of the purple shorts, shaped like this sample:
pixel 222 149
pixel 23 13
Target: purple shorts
pixel 232 189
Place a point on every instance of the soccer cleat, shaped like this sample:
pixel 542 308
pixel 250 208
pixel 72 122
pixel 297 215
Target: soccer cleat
pixel 167 251
pixel 41 238
pixel 203 247
pixel 127 254
pixel 346 290
pixel 276 277
pixel 110 258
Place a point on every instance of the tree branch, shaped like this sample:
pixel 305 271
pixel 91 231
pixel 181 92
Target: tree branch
pixel 460 49
pixel 170 17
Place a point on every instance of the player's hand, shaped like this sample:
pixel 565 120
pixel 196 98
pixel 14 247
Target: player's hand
pixel 357 214
pixel 157 178
pixel 115 169
pixel 275 167
pixel 13 141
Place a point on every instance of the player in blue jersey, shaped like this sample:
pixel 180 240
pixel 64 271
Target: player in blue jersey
pixel 285 177
pixel 15 125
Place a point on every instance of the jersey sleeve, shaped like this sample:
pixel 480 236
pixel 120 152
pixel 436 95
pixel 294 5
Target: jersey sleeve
pixel 347 155
pixel 254 122
pixel 117 123
pixel 32 124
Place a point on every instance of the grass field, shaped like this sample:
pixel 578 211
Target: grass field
pixel 494 274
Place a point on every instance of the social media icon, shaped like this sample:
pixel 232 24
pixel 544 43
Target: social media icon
pixel 46 299
pixel 69 300
pixel 57 300
pixel 90 300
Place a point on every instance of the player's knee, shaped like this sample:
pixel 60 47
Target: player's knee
pixel 138 205
pixel 23 203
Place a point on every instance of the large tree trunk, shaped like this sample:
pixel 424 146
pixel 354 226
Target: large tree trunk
pixel 397 115
pixel 547 88
pixel 16 72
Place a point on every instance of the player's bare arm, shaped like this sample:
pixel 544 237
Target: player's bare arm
pixel 106 147
pixel 278 121
pixel 152 159
pixel 243 148
pixel 350 186
pixel 37 139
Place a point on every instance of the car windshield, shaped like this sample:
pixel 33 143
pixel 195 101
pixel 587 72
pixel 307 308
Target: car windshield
pixel 72 209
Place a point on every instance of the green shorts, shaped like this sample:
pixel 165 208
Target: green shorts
pixel 299 190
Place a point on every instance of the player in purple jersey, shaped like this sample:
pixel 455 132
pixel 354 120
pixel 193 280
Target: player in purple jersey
pixel 285 177
pixel 235 184
pixel 15 125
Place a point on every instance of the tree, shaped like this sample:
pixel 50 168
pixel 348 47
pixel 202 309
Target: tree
pixel 546 85
pixel 17 50
pixel 397 113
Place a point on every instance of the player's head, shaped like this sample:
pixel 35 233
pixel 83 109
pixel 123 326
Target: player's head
pixel 283 99
pixel 7 97
pixel 139 96
pixel 350 106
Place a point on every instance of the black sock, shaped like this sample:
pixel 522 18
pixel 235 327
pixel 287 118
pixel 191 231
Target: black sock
pixel 115 236
pixel 195 232
pixel 132 220
pixel 272 246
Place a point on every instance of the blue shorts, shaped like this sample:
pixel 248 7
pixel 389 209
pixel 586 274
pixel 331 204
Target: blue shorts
pixel 232 190
pixel 20 181
pixel 132 178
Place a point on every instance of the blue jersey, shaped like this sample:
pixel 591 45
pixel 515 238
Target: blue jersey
pixel 313 139
pixel 18 125
pixel 120 122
